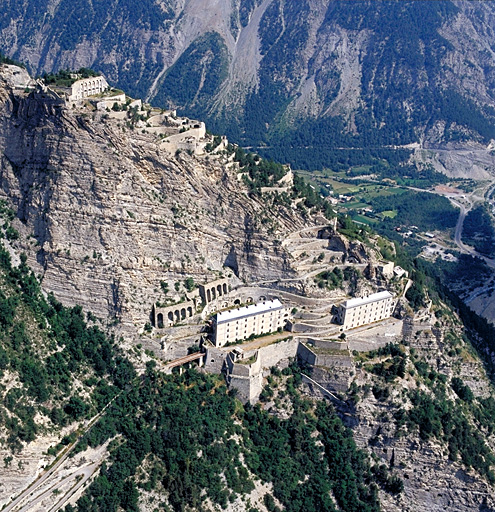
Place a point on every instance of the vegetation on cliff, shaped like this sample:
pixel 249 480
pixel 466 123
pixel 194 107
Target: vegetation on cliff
pixel 370 81
pixel 66 77
pixel 52 363
pixel 192 432
pixel 196 439
pixel 428 396
pixel 187 427
pixel 187 438
pixel 7 60
pixel 478 231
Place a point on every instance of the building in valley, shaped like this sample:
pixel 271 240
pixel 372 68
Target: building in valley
pixel 255 319
pixel 365 310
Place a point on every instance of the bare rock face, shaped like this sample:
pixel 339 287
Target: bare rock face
pixel 432 480
pixel 111 215
pixel 310 60
pixel 353 251
pixel 16 77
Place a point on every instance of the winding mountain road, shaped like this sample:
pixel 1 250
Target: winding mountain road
pixel 460 223
pixel 81 476
pixel 466 249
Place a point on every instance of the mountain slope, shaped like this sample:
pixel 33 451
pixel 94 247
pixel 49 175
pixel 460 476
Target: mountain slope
pixel 107 213
pixel 182 440
pixel 292 75
pixel 109 217
pixel 421 413
pixel 56 371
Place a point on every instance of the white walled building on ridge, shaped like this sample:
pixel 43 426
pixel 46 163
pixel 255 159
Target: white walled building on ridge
pixel 88 87
pixel 255 319
pixel 365 310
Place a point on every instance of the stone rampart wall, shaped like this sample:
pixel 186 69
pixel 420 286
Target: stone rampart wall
pixel 335 379
pixel 189 140
pixel 248 379
pixel 330 345
pixel 214 360
pixel 306 328
pixel 109 102
pixel 248 388
pixel 334 360
pixel 273 354
pixel 214 290
pixel 306 354
pixel 170 315
pixel 167 118
pixel 247 370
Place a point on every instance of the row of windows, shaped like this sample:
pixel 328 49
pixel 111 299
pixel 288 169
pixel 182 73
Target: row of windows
pixel 369 312
pixel 270 325
pixel 368 319
pixel 245 332
pixel 364 321
pixel 246 319
pixel 367 306
pixel 245 327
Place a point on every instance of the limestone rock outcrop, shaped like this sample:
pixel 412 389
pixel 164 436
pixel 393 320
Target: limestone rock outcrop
pixel 105 215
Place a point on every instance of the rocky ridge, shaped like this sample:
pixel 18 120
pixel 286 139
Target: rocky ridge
pixel 432 480
pixel 106 214
pixel 402 64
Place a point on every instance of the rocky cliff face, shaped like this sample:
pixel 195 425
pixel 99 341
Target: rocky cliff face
pixel 343 73
pixel 435 476
pixel 106 215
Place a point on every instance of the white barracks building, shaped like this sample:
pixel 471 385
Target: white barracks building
pixel 365 310
pixel 241 323
pixel 88 87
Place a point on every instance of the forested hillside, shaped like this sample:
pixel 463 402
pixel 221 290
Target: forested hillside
pixel 305 81
pixel 58 371
pixel 178 441
pixel 55 369
pixel 111 220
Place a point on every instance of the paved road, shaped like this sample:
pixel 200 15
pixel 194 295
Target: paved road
pixel 87 472
pixel 460 224
pixel 466 249
pixel 471 199
pixel 35 500
pixel 477 293
pixel 35 486
pixel 38 483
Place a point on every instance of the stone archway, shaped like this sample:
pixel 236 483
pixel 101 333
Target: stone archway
pixel 225 289
pixel 159 321
pixel 171 317
pixel 183 313
pixel 189 311
pixel 208 296
pixel 177 315
pixel 219 290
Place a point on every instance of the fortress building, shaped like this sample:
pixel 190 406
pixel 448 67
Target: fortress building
pixel 214 290
pixel 87 87
pixel 241 323
pixel 365 310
